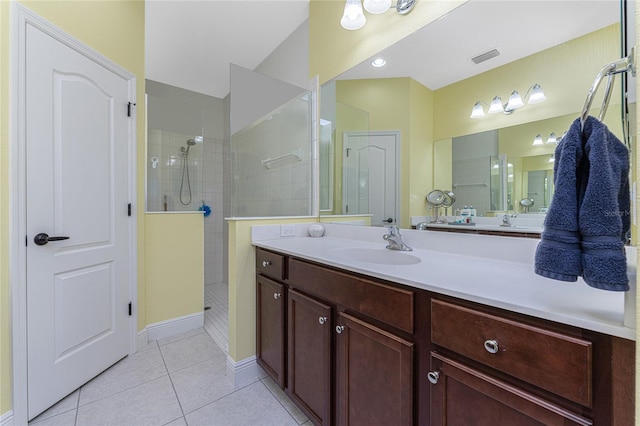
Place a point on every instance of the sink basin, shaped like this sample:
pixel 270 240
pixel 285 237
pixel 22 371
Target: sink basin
pixel 380 256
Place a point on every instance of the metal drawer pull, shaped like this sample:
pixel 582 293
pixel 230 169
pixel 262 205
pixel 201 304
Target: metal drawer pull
pixel 339 329
pixel 266 263
pixel 433 377
pixel 322 320
pixel 276 296
pixel 491 346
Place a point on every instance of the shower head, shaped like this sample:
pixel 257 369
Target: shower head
pixel 190 143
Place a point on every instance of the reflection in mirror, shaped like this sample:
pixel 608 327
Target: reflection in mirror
pixel 271 147
pixel 433 155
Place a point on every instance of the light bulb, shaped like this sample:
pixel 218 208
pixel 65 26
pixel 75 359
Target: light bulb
pixel 477 111
pixel 496 106
pixel 378 62
pixel 353 17
pixel 515 101
pixel 538 140
pixel 552 138
pixel 377 6
pixel 537 95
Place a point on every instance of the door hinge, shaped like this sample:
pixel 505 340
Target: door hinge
pixel 347 208
pixel 26 240
pixel 348 151
pixel 129 209
pixel 129 105
pixel 130 308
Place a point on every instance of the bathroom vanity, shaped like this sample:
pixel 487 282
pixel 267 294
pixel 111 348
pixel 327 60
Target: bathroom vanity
pixel 358 343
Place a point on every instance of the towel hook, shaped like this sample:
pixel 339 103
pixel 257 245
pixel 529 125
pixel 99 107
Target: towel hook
pixel 609 70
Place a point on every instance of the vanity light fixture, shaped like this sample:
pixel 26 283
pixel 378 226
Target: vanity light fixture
pixel 534 95
pixel 552 139
pixel 353 17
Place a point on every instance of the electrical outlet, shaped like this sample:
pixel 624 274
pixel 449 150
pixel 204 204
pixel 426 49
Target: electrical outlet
pixel 287 230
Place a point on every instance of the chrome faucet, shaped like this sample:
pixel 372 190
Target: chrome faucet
pixel 506 222
pixel 395 240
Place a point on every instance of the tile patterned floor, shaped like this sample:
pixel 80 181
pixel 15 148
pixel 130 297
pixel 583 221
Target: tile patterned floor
pixel 176 381
pixel 216 319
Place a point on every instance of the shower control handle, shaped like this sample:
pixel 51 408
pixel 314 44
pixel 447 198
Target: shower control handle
pixel 42 239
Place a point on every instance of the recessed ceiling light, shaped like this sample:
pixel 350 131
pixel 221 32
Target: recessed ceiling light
pixel 378 62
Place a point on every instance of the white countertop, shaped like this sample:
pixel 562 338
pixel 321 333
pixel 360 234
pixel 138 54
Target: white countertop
pixel 491 270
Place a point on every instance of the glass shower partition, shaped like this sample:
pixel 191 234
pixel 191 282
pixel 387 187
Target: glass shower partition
pixel 271 147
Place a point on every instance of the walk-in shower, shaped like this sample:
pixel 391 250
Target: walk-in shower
pixel 174 171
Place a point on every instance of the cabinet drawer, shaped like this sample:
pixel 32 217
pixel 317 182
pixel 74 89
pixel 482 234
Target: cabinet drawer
pixel 270 264
pixel 391 305
pixel 552 361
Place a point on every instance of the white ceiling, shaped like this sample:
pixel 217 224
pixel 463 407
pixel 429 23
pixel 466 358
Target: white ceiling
pixel 440 53
pixel 190 44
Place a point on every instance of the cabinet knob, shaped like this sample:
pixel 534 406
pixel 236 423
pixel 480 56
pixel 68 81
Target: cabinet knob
pixel 322 320
pixel 266 263
pixel 276 296
pixel 339 329
pixel 491 346
pixel 433 377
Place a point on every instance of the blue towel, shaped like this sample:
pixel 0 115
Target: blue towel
pixel 558 255
pixel 604 215
pixel 589 216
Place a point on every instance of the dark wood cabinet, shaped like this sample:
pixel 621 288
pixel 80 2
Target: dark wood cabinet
pixel 343 369
pixel 350 349
pixel 374 375
pixel 462 395
pixel 270 331
pixel 310 351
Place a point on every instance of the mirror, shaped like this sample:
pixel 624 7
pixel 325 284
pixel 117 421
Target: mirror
pixel 425 79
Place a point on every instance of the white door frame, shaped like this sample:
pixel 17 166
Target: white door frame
pixel 395 133
pixel 20 17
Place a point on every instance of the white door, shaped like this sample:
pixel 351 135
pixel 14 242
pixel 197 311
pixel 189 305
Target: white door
pixel 370 181
pixel 77 179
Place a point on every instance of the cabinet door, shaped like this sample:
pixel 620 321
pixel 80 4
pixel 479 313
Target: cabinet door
pixel 270 334
pixel 461 395
pixel 310 356
pixel 374 383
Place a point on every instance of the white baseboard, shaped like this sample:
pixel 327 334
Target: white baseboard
pixel 6 419
pixel 160 330
pixel 243 372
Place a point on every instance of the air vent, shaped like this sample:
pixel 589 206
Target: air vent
pixel 485 56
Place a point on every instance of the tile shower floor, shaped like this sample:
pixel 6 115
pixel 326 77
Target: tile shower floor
pixel 180 380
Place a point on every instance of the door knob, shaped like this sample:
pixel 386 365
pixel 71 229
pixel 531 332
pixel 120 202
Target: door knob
pixel 388 220
pixel 42 239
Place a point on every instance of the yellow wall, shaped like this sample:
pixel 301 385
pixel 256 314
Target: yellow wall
pixel 175 271
pixel 116 30
pixel 242 285
pixel 420 155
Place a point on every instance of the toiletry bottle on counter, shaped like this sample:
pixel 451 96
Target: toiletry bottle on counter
pixel 465 213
